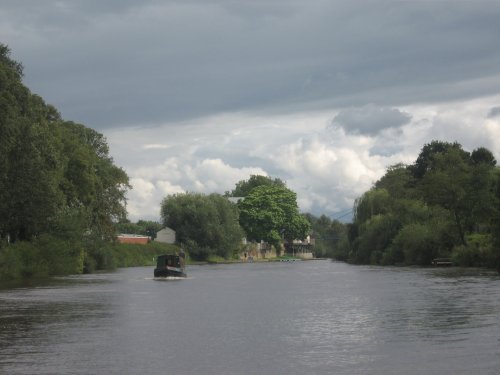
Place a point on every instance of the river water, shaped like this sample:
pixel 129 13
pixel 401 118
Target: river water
pixel 314 317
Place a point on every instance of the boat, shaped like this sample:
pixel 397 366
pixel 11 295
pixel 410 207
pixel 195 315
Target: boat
pixel 170 266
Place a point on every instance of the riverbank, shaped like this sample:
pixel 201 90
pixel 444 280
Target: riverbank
pixel 49 256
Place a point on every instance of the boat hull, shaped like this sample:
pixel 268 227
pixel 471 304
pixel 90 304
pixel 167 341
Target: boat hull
pixel 169 272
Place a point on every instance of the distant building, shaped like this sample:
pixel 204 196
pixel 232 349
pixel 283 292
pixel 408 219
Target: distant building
pixel 133 238
pixel 165 235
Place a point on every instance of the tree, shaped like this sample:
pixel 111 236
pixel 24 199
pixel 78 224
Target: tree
pixel 427 157
pixel 373 202
pixel 91 181
pixel 270 213
pixel 51 170
pixel 142 227
pixel 445 204
pixel 205 224
pixel 482 155
pixel 398 181
pixel 244 187
pixel 330 237
pixel 29 157
pixel 463 187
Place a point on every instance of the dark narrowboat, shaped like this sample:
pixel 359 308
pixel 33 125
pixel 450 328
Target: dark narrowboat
pixel 170 265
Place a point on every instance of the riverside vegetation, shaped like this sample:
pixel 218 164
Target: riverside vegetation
pixel 62 202
pixel 60 192
pixel 446 204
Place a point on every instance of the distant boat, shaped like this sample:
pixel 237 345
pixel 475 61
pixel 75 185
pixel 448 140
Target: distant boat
pixel 442 262
pixel 170 265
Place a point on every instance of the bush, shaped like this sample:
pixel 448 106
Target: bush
pixel 63 257
pixel 375 236
pixel 478 252
pixel 10 263
pixel 22 260
pixel 418 243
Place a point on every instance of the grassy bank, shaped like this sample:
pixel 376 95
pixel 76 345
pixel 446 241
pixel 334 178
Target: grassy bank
pixel 51 256
pixel 133 255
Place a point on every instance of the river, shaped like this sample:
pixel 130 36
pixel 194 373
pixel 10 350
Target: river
pixel 311 317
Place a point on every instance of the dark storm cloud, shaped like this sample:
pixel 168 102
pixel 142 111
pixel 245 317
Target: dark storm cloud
pixel 370 119
pixel 112 63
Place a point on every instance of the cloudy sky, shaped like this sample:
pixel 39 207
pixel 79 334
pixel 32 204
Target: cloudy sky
pixel 196 95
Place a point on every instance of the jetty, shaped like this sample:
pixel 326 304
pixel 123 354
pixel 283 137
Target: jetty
pixel 442 262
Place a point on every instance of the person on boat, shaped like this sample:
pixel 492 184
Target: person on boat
pixel 182 257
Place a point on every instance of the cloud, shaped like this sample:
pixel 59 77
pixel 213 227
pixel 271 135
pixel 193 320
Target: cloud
pixel 124 63
pixel 154 146
pixel 325 165
pixel 196 95
pixel 494 112
pixel 370 119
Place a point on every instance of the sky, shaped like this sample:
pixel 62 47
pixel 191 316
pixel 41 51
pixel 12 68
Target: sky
pixel 196 95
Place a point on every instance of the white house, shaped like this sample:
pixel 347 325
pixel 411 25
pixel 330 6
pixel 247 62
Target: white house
pixel 165 235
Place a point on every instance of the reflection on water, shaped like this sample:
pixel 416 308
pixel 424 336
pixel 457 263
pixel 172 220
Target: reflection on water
pixel 316 317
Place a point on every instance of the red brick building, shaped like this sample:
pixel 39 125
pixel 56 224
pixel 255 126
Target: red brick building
pixel 133 238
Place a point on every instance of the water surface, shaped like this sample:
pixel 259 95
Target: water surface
pixel 315 317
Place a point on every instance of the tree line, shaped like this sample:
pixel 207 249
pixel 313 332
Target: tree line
pixel 60 191
pixel 213 226
pixel 444 205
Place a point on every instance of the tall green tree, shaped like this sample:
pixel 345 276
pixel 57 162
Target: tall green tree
pixel 91 182
pixel 205 224
pixel 270 213
pixel 29 156
pixel 398 181
pixel 428 156
pixel 52 172
pixel 446 185
pixel 244 187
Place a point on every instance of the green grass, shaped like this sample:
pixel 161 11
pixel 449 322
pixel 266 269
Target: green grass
pixel 134 255
pixel 51 256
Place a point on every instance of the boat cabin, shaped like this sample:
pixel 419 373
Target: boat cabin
pixel 169 265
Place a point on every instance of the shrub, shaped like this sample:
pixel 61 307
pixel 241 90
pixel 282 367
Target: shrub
pixel 417 242
pixel 63 257
pixel 478 252
pixel 22 260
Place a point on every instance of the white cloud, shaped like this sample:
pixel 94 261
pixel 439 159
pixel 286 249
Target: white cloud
pixel 154 146
pixel 327 167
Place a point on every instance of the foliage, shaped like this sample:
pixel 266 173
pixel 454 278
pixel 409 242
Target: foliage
pixel 51 256
pixel 437 207
pixel 142 227
pixel 330 237
pixel 205 224
pixel 58 186
pixel 244 187
pixel 51 169
pixel 270 212
pixel 417 242
pixel 376 235
pixel 478 252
